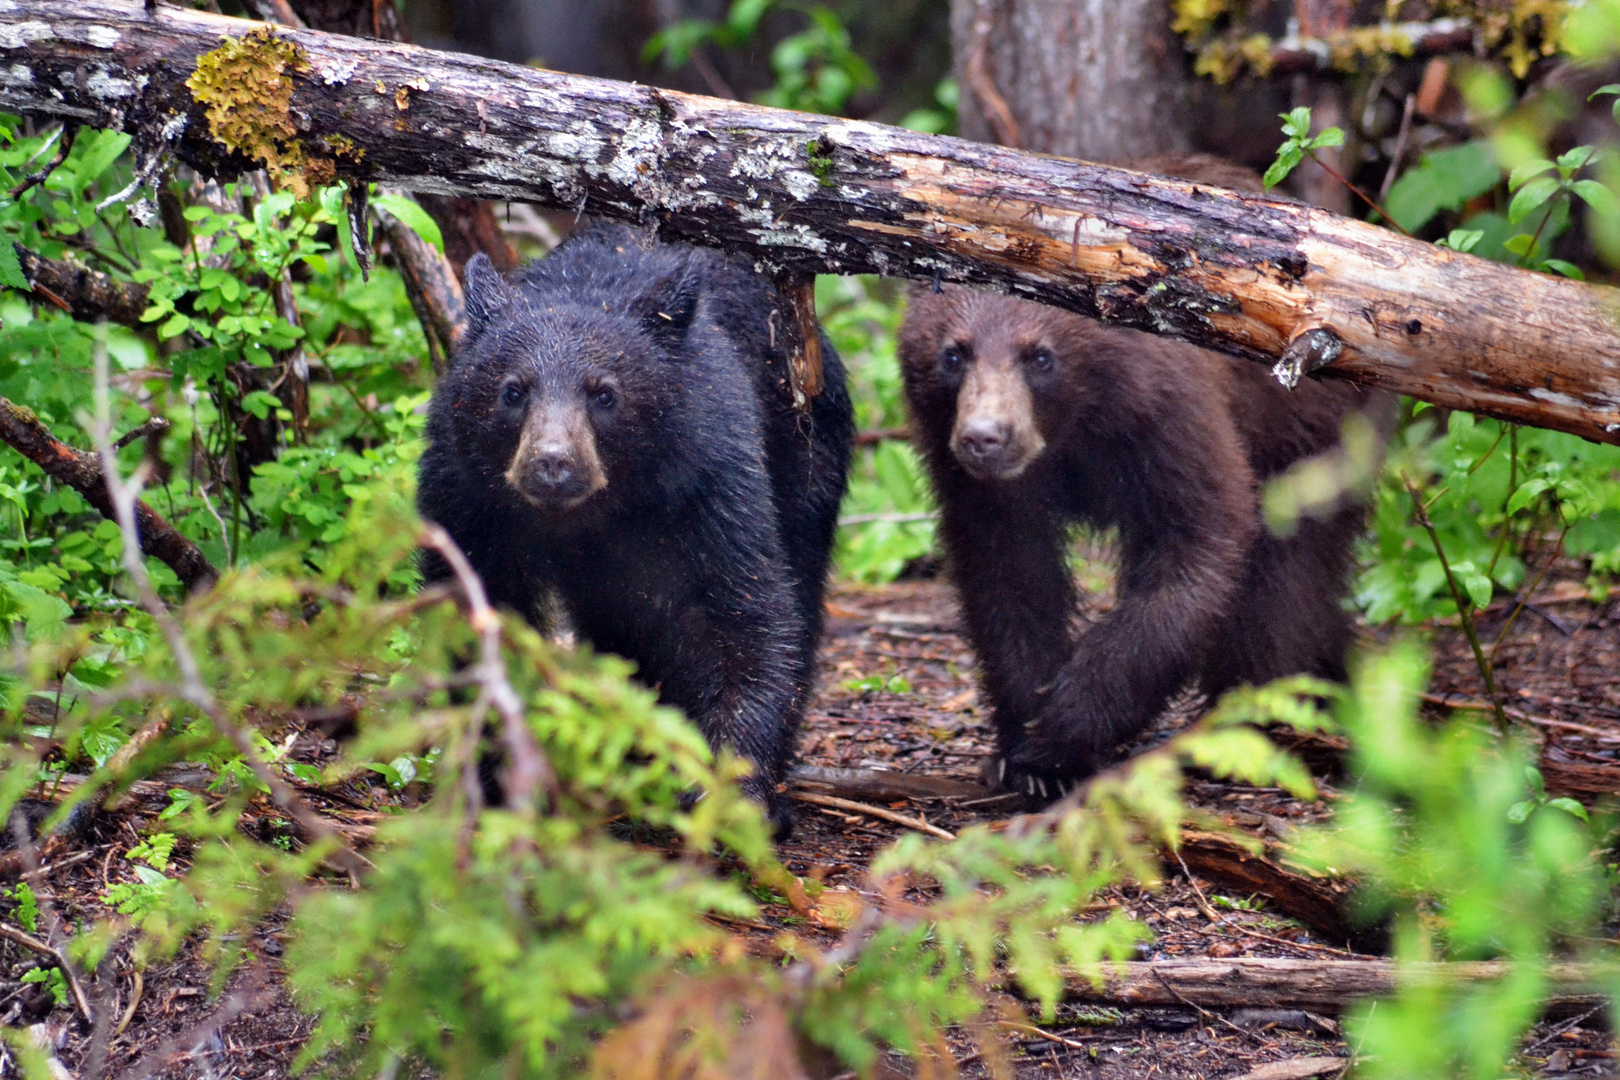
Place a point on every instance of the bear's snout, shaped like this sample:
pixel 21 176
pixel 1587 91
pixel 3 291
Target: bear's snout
pixel 995 436
pixel 556 466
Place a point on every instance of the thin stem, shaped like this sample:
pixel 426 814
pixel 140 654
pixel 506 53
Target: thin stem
pixel 1513 485
pixel 1366 198
pixel 1530 590
pixel 1464 612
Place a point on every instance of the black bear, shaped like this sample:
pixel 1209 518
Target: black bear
pixel 617 433
pixel 1032 419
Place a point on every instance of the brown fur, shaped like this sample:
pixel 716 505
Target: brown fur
pixel 1166 441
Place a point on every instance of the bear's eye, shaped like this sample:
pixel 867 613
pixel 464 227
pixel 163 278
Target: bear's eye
pixel 1042 360
pixel 605 398
pixel 513 396
pixel 951 358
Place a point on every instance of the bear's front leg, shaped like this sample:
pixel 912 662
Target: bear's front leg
pixel 1006 558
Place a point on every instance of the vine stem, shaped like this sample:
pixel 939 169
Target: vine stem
pixel 1366 198
pixel 1464 614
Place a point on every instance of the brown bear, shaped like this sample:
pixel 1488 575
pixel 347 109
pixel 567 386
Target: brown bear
pixel 1032 419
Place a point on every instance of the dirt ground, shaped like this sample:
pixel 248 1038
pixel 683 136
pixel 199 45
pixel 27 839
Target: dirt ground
pixel 1559 668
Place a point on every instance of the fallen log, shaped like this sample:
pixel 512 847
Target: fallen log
pixel 1318 985
pixel 878 785
pixel 1320 903
pixel 800 194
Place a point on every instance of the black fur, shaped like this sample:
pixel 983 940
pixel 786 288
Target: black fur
pixel 704 556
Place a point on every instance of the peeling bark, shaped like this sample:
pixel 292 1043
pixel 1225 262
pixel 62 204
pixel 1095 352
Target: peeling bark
pixel 801 194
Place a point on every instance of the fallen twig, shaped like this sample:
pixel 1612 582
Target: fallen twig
pixel 1201 1011
pixel 27 940
pixel 134 1000
pixel 881 785
pixel 874 811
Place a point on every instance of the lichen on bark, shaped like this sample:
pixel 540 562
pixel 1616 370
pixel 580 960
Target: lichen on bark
pixel 246 86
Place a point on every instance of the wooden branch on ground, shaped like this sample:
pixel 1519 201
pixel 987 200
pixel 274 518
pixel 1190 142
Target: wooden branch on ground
pixel 84 293
pixel 876 785
pixel 81 471
pixel 800 194
pixel 1325 986
pixel 1319 903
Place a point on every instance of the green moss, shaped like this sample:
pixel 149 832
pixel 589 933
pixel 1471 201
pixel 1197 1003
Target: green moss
pixel 821 162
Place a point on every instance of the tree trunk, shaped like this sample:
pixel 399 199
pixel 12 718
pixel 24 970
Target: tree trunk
pixel 800 194
pixel 1100 80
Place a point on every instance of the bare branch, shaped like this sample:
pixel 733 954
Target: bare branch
pixel 529 775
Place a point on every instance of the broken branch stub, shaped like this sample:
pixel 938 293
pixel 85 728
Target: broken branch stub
pixel 800 194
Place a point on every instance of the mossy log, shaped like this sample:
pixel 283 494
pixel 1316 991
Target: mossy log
pixel 799 194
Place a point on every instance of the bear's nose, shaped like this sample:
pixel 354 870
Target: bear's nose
pixel 983 437
pixel 553 466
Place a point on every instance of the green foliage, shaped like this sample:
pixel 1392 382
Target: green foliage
pixel 1490 491
pixel 889 508
pixel 1443 179
pixel 52 978
pixel 1299 144
pixel 1457 845
pixel 27 913
pixel 816 69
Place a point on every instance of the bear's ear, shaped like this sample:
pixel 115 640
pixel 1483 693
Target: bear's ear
pixel 487 294
pixel 666 309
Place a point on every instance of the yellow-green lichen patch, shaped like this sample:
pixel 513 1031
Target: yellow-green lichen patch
pixel 246 85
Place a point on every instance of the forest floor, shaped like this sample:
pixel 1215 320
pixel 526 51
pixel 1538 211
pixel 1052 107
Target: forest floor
pixel 1558 669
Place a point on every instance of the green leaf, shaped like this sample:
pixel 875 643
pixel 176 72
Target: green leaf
pixel 418 220
pixel 1330 137
pixel 1526 493
pixel 1612 88
pixel 1597 196
pixel 1530 197
pixel 1535 167
pixel 1518 244
pixel 177 324
pixel 1569 806
pixel 1519 812
pixel 1562 268
pixel 99 154
pixel 260 402
pixel 1574 159
pixel 1476 584
pixel 1297 123
pixel 1443 180
pixel 11 275
pixel 1461 239
pixel 1289 156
